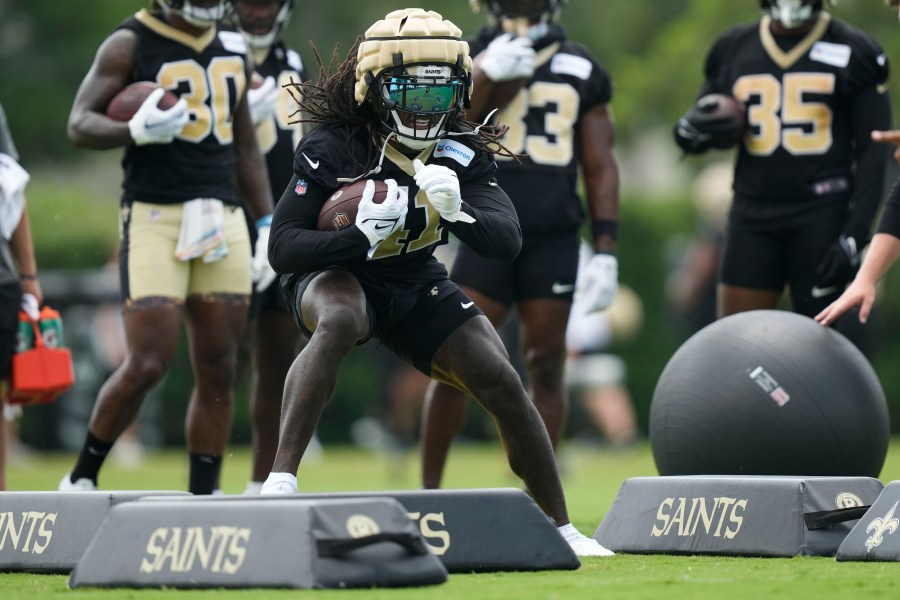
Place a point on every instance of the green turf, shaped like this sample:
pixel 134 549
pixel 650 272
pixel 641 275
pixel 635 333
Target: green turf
pixel 591 478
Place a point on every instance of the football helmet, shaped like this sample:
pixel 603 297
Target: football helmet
pixel 199 13
pixel 416 71
pixel 792 13
pixel 255 21
pixel 527 18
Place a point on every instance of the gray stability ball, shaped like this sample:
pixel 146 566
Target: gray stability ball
pixel 769 392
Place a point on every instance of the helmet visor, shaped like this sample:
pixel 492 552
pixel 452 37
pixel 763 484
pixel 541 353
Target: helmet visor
pixel 413 95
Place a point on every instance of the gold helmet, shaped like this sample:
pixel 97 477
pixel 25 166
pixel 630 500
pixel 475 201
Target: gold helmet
pixel 416 70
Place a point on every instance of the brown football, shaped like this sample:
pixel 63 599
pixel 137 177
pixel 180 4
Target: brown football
pixel 339 211
pixel 723 116
pixel 124 104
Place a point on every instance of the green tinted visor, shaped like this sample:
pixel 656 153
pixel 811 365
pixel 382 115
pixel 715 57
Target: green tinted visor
pixel 415 96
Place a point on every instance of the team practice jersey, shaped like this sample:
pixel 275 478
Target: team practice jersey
pixel 279 134
pixel 209 72
pixel 543 124
pixel 330 152
pixel 806 104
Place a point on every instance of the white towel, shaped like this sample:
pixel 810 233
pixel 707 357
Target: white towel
pixel 13 179
pixel 202 231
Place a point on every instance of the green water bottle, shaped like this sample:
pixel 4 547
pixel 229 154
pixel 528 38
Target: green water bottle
pixel 51 328
pixel 25 334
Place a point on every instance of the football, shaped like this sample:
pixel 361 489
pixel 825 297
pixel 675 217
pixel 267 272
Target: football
pixel 124 104
pixel 723 117
pixel 339 211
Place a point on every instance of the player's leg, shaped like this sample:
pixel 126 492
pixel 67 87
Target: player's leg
pixel 545 281
pixel 10 299
pixel 336 316
pixel 453 342
pixel 215 325
pixel 278 343
pixel 444 409
pixel 216 317
pixel 489 284
pixel 734 299
pixel 153 285
pixel 473 357
pixel 543 326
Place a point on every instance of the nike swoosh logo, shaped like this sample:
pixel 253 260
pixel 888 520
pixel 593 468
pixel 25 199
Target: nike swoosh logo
pixel 466 304
pixel 380 227
pixel 817 292
pixel 562 288
pixel 314 165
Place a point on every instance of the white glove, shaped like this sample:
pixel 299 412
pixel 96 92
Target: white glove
pixel 263 273
pixel 151 125
pixel 597 285
pixel 441 185
pixel 30 306
pixel 378 221
pixel 262 100
pixel 508 57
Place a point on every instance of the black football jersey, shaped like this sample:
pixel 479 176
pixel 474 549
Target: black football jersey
pixel 276 135
pixel 543 121
pixel 800 98
pixel 209 72
pixel 332 152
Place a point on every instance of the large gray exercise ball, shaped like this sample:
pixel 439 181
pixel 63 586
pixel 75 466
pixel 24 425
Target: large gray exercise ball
pixel 769 392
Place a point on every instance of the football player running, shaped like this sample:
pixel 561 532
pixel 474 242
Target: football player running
pixel 272 341
pixel 391 112
pixel 188 169
pixel 554 97
pixel 808 178
pixel 883 252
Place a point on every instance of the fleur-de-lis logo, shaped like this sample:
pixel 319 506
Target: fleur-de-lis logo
pixel 882 526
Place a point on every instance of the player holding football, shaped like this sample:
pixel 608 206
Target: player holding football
pixel 808 178
pixel 392 112
pixel 555 99
pixel 180 170
pixel 272 340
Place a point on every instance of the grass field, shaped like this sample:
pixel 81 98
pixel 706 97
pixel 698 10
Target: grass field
pixel 591 478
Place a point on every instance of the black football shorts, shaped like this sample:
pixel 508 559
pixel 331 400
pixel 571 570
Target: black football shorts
pixel 412 321
pixel 766 254
pixel 545 268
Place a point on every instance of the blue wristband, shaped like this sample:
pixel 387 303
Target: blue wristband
pixel 266 221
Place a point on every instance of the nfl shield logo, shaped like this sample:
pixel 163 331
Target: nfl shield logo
pixel 300 188
pixel 340 221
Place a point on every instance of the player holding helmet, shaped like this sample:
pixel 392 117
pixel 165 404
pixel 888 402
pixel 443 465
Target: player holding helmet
pixel 392 112
pixel 808 179
pixel 180 170
pixel 555 99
